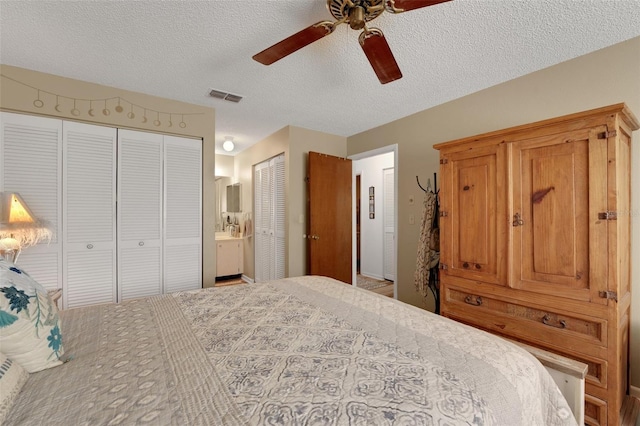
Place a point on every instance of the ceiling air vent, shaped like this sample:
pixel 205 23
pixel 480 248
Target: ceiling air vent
pixel 219 94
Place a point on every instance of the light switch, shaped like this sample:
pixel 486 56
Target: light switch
pixel 412 220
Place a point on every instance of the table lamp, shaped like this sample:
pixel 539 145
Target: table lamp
pixel 19 228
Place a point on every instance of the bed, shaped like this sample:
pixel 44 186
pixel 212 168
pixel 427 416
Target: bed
pixel 298 351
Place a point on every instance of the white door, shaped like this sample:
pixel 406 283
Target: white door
pixel 139 214
pixel 270 208
pixel 262 192
pixel 279 210
pixel 31 164
pixel 182 214
pixel 389 214
pixel 89 203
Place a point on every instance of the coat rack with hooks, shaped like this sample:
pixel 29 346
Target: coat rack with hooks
pixel 429 188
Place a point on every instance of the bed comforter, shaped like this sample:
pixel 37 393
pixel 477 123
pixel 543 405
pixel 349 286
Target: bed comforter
pixel 306 350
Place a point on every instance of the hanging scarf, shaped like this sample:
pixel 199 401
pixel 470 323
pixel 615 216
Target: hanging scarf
pixel 427 257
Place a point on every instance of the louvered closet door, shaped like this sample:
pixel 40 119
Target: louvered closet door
pixel 277 257
pixel 139 214
pixel 263 221
pixel 182 214
pixel 257 225
pixel 89 242
pixel 270 223
pixel 30 164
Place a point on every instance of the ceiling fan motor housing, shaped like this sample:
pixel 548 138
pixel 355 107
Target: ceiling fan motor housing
pixel 356 12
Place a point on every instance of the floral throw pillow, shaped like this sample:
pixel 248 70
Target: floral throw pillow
pixel 29 325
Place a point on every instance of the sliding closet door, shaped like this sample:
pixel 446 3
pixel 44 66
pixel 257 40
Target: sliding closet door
pixel 182 214
pixel 30 164
pixel 89 233
pixel 139 214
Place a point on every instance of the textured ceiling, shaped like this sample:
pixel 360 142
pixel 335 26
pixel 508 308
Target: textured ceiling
pixel 181 49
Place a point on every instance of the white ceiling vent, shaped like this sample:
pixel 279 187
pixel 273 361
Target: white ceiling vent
pixel 219 94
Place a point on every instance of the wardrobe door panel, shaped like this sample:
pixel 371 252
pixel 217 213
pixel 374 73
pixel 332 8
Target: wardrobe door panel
pixel 182 214
pixel 476 215
pixel 139 214
pixel 30 164
pixel 89 258
pixel 558 192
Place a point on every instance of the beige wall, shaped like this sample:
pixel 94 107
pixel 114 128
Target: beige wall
pixel 224 165
pixel 605 77
pixel 295 143
pixel 19 91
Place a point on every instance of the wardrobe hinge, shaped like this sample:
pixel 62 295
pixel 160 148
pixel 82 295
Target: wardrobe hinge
pixel 609 295
pixel 444 214
pixel 444 161
pixel 608 215
pixel 607 134
pixel 443 266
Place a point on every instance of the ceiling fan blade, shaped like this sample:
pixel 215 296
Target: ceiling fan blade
pixel 379 54
pixel 295 42
pixel 397 6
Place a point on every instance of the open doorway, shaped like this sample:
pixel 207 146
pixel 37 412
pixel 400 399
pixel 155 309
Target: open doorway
pixel 374 221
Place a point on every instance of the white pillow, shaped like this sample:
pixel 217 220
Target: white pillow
pixel 29 325
pixel 12 378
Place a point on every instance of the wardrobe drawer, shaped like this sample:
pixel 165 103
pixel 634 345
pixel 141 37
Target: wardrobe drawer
pixel 595 411
pixel 546 327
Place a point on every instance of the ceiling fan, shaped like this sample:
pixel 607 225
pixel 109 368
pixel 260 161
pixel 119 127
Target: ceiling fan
pixel 356 13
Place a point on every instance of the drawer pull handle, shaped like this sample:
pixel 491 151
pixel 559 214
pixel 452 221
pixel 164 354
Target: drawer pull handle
pixel 546 321
pixel 470 300
pixel 517 220
pixel 89 246
pixel 478 266
pixel 465 265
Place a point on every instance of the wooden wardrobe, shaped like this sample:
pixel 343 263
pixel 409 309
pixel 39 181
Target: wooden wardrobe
pixel 535 241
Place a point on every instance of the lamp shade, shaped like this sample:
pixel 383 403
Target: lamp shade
pixel 13 210
pixel 18 222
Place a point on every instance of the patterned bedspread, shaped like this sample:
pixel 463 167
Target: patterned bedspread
pixel 306 350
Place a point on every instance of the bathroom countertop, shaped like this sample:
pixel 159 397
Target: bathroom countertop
pixel 225 236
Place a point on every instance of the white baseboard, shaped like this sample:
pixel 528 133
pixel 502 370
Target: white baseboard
pixel 634 391
pixel 247 279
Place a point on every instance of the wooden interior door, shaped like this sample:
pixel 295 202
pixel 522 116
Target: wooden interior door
pixel 474 205
pixel 330 229
pixel 560 186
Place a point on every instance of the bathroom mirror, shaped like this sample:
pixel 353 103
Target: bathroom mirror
pixel 221 201
pixel 233 198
